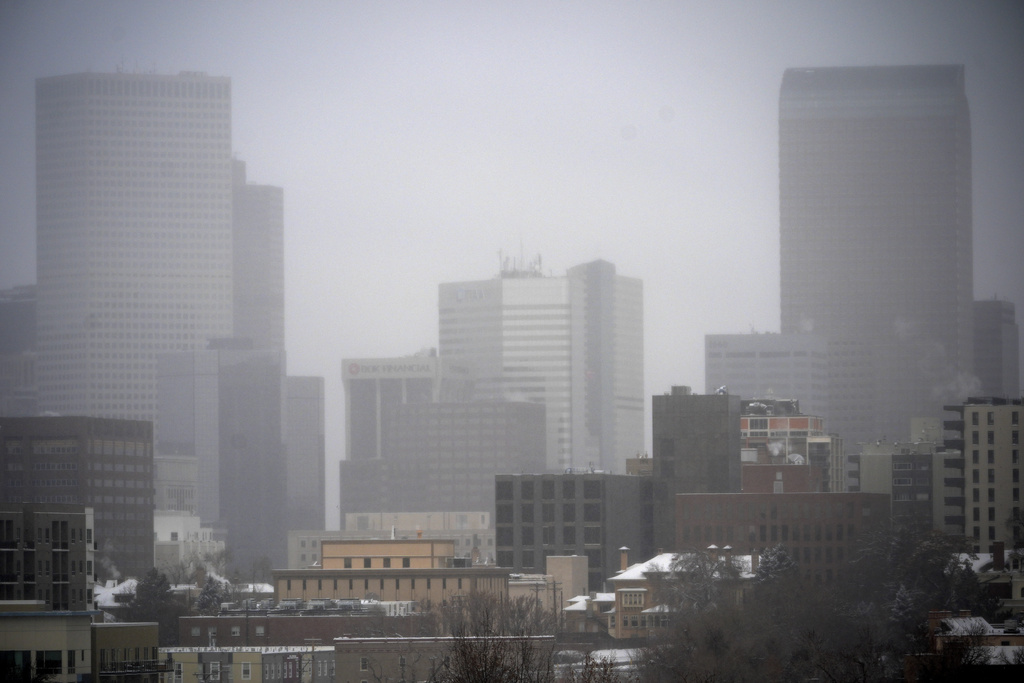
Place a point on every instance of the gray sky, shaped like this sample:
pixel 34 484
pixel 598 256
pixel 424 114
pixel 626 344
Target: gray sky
pixel 416 140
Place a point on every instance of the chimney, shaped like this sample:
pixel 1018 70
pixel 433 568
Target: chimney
pixel 998 556
pixel 623 558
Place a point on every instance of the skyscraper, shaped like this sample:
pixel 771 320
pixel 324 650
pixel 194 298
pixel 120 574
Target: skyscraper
pixel 258 265
pixel 134 233
pixel 875 217
pixel 225 407
pixel 573 343
pixel 997 348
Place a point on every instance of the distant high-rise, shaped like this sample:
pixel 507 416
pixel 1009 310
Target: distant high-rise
pixel 304 449
pixel 875 217
pixel 225 407
pixel 765 365
pixel 573 343
pixel 997 348
pixel 134 233
pixel 258 262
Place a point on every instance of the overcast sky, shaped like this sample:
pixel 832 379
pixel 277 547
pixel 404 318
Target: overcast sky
pixel 414 141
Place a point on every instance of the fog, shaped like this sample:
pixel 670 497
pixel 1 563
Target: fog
pixel 416 141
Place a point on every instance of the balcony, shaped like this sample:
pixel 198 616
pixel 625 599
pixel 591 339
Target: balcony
pixel 954 482
pixel 955 520
pixel 955 501
pixel 9 545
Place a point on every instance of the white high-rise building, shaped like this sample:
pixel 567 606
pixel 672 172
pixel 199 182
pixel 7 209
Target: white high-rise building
pixel 134 231
pixel 573 343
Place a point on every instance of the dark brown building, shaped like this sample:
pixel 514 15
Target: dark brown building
pixel 101 463
pixel 696 450
pixel 819 529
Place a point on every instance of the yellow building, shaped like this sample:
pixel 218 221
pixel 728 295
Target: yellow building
pixel 389 570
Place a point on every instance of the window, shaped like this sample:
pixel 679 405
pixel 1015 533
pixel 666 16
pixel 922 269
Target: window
pixel 364 664
pixel 527 513
pixel 260 630
pixel 236 630
pixel 195 632
pixel 246 671
pixel 366 563
pixel 406 563
pixel 387 563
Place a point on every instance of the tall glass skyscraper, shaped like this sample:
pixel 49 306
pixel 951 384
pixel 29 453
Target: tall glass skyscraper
pixel 573 343
pixel 134 232
pixel 875 218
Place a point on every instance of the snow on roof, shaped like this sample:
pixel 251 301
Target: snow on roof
pixel 580 606
pixel 617 656
pixel 104 593
pixel 966 626
pixel 662 564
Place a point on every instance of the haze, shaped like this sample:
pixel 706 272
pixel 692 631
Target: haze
pixel 416 140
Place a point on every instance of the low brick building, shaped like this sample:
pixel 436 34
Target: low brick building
pixel 819 529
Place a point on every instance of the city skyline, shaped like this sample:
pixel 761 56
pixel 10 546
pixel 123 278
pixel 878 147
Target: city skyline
pixel 438 136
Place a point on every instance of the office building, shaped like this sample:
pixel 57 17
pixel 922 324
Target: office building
pixel 922 488
pixel 996 348
pixel 875 222
pixel 18 395
pixel 224 406
pixel 591 514
pixel 98 463
pixel 439 456
pixel 373 386
pixel 258 261
pixel 134 233
pixel 573 344
pixel 696 450
pixel 768 365
pixel 988 433
pixel 46 554
pixel 304 452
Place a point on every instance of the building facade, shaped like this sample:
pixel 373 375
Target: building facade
pixel 696 450
pixel 225 408
pixel 751 365
pixel 875 223
pixel 444 454
pixel 923 479
pixel 99 463
pixel 573 344
pixel 47 554
pixel 820 530
pixel 576 513
pixel 257 261
pixel 134 233
pixel 989 431
pixel 997 348
pixel 472 532
pixel 304 452
pixel 414 570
